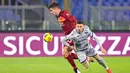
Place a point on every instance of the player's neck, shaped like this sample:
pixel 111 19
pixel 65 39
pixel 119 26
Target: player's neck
pixel 59 10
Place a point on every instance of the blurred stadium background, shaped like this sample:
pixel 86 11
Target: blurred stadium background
pixel 33 15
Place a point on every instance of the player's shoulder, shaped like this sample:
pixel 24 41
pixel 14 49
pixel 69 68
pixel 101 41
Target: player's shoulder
pixel 86 27
pixel 74 31
pixel 66 13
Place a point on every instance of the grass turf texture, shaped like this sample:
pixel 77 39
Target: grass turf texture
pixel 60 65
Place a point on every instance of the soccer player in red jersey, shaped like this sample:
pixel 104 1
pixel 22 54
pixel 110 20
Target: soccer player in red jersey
pixel 67 23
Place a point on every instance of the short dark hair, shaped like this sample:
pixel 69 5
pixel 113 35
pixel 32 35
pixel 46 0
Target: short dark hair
pixel 54 5
pixel 80 22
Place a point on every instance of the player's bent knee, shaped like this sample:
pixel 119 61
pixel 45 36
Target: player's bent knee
pixel 86 67
pixel 96 56
pixel 86 64
pixel 65 55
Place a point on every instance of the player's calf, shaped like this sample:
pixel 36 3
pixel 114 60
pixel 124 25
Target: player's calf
pixel 68 56
pixel 101 61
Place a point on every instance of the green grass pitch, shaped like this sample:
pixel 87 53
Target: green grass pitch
pixel 59 65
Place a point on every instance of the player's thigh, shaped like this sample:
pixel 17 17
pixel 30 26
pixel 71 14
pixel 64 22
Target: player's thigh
pixel 91 52
pixel 65 51
pixel 82 57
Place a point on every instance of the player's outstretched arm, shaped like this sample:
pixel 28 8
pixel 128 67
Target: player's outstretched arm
pixel 103 50
pixel 98 41
pixel 67 37
pixel 64 41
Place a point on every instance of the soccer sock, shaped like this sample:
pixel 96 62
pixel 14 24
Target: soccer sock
pixel 71 61
pixel 74 56
pixel 102 62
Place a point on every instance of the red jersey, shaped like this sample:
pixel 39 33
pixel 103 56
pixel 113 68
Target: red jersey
pixel 68 21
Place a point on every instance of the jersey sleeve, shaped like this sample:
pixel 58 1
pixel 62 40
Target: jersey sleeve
pixel 67 37
pixel 93 35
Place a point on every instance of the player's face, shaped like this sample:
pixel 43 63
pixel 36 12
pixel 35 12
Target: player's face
pixel 53 11
pixel 79 28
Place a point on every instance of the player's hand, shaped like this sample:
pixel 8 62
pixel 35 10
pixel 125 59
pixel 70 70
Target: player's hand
pixel 103 50
pixel 70 48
